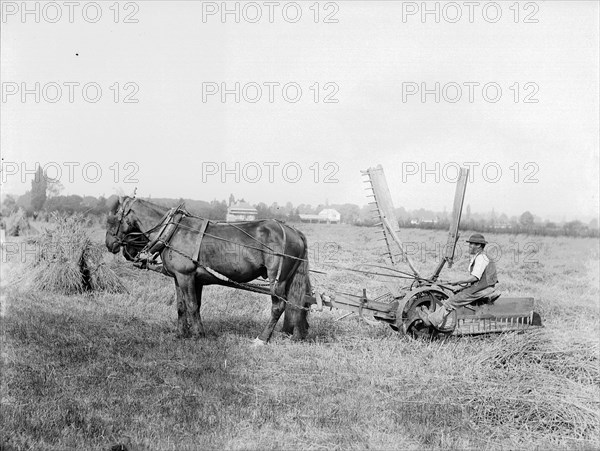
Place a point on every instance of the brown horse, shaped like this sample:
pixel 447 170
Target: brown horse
pixel 198 252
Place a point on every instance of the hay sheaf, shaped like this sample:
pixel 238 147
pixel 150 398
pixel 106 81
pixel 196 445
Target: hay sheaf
pixel 17 224
pixel 67 261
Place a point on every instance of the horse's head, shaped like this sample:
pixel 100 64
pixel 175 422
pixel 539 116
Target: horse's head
pixel 124 228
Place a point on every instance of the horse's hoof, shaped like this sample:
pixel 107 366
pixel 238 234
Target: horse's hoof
pixel 258 342
pixel 184 334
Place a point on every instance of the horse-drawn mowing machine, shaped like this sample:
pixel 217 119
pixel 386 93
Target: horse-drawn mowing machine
pixel 196 252
pixel 491 314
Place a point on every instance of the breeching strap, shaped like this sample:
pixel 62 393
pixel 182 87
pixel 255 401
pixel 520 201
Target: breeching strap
pixel 282 251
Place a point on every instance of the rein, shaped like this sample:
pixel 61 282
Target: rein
pixel 168 225
pixel 141 240
pixel 183 211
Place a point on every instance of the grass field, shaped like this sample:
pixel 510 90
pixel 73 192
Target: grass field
pixel 94 371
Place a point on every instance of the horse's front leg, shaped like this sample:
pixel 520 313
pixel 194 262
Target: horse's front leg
pixel 191 291
pixel 183 330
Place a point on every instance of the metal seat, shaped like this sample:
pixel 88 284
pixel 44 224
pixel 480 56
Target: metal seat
pixel 488 298
pixel 495 295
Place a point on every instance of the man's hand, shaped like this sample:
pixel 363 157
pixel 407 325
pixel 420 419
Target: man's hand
pixel 444 282
pixel 469 281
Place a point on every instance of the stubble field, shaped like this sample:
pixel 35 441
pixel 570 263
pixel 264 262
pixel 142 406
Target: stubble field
pixel 94 371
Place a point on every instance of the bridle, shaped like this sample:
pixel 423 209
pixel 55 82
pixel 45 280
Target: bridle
pixel 131 238
pixel 124 213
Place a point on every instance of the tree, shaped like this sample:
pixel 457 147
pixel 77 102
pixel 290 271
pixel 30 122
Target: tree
pixel 8 205
pixel 38 190
pixel 575 228
pixel 263 211
pixel 24 202
pixel 349 213
pixel 66 204
pixel 305 209
pixel 294 215
pixel 526 219
pixel 101 206
pixel 218 210
pixel 277 212
pixel 54 187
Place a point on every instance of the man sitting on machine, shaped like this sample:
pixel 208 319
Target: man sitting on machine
pixel 479 285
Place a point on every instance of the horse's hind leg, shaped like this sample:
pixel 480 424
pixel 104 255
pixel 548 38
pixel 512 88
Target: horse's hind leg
pixel 295 321
pixel 191 291
pixel 199 327
pixel 277 308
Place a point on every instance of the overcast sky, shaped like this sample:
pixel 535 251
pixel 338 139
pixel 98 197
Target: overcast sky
pixel 132 96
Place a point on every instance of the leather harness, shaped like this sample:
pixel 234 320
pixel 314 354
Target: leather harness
pixel 147 257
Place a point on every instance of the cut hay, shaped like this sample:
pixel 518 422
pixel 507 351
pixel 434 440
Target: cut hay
pixel 67 261
pixel 17 224
pixel 545 388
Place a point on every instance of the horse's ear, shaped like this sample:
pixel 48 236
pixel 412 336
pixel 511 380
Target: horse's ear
pixel 134 192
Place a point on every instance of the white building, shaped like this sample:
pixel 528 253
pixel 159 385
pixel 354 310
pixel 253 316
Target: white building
pixel 241 211
pixel 326 216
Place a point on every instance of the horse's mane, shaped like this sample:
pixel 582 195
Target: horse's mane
pixel 113 206
pixel 159 209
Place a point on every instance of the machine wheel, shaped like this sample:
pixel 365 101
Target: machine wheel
pixel 408 321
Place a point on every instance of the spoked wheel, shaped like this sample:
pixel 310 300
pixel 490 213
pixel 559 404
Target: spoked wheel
pixel 411 323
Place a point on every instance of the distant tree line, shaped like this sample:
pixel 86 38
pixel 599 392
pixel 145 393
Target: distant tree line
pixel 525 224
pixel 44 198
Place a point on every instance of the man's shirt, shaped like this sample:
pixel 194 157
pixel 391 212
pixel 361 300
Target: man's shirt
pixel 478 264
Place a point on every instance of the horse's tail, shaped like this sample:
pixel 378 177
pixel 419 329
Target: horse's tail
pixel 298 285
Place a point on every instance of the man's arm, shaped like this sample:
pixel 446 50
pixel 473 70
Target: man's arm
pixel 481 261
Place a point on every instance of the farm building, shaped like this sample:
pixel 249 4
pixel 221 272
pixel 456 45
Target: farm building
pixel 423 221
pixel 241 211
pixel 326 216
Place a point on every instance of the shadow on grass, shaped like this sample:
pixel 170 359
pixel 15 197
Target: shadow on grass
pixel 245 327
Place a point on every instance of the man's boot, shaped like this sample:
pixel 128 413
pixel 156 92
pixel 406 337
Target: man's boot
pixel 425 315
pixel 448 322
pixel 440 318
